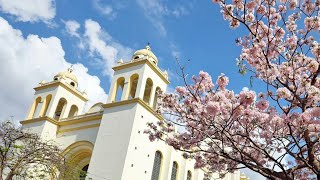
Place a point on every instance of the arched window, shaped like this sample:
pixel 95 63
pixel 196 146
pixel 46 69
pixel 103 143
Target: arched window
pixel 174 171
pixel 133 85
pixel 84 171
pixel 189 175
pixel 60 109
pixel 34 111
pixel 156 166
pixel 119 89
pixel 46 105
pixel 155 100
pixel 147 90
pixel 73 111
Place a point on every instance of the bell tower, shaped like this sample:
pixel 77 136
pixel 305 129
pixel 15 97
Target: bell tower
pixel 131 103
pixel 54 101
pixel 139 78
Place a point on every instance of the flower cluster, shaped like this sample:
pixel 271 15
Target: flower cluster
pixel 221 127
pixel 224 129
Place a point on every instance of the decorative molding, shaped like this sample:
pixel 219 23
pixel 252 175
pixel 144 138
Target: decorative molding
pixel 132 101
pixel 63 123
pixel 44 118
pixel 91 118
pixel 145 61
pixel 67 87
pixel 80 120
pixel 79 128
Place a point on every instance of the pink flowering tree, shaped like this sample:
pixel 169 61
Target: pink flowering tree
pixel 275 132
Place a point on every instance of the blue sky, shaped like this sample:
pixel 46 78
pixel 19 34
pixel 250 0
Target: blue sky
pixel 39 38
pixel 193 30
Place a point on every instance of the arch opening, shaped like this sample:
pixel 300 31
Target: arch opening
pixel 155 99
pixel 73 111
pixel 35 108
pixel 79 155
pixel 147 91
pixel 156 166
pixel 60 109
pixel 189 175
pixel 84 171
pixel 118 90
pixel 174 172
pixel 46 105
pixel 133 85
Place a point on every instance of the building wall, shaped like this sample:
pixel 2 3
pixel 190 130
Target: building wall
pixel 114 139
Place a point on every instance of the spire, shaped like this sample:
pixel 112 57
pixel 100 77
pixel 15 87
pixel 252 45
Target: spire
pixel 70 69
pixel 148 47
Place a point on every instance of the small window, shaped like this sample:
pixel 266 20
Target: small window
pixel 189 175
pixel 56 79
pixel 174 171
pixel 72 84
pixel 156 166
pixel 137 57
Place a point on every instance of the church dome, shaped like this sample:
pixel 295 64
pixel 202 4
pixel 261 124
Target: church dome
pixel 145 53
pixel 68 76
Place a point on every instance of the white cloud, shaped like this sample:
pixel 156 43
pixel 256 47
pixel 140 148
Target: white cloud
pixel 156 11
pixel 24 62
pixel 102 47
pixel 103 50
pixel 29 10
pixel 104 9
pixel 72 28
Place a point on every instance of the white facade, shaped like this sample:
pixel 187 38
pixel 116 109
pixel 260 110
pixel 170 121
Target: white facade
pixel 109 137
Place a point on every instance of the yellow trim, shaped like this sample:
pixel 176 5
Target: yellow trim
pixel 131 101
pixel 45 118
pixel 77 144
pixel 91 118
pixel 79 128
pixel 80 120
pixel 136 63
pixel 63 123
pixel 78 152
pixel 54 84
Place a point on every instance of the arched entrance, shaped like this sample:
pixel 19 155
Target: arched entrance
pixel 79 154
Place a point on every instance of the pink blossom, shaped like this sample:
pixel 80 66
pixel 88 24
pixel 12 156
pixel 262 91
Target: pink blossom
pixel 262 105
pixel 222 81
pixel 251 5
pixel 247 97
pixel 279 50
pixel 284 93
pixel 181 90
pixel 316 112
pixel 293 4
pixel 213 108
pixel 282 8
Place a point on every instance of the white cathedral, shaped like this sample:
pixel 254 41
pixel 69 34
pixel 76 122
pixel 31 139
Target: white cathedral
pixel 108 141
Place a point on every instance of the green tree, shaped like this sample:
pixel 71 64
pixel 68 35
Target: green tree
pixel 24 155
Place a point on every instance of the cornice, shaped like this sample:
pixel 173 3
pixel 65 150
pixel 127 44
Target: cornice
pixel 79 128
pixel 58 83
pixel 44 118
pixel 145 61
pixel 63 123
pixel 132 101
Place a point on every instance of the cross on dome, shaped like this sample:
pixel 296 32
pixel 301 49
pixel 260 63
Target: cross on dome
pixel 145 53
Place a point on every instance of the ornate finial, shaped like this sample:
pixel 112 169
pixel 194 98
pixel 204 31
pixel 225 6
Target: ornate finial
pixel 42 82
pixel 120 61
pixel 148 47
pixel 70 69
